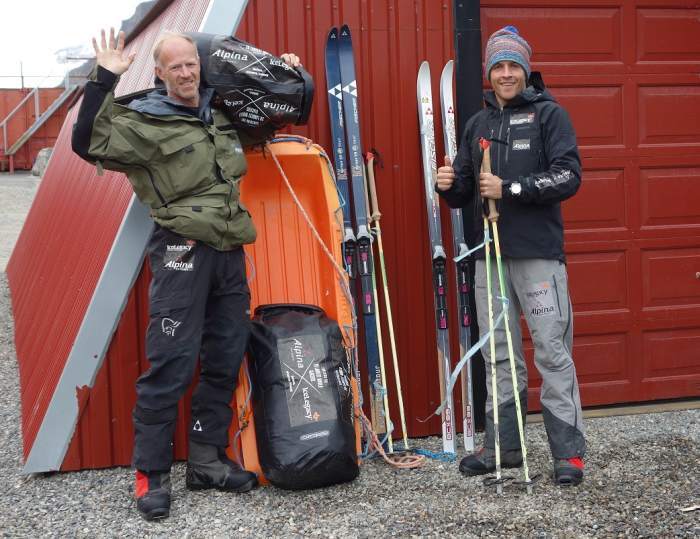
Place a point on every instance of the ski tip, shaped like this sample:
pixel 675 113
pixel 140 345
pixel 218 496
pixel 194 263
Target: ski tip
pixel 345 30
pixel 447 70
pixel 333 33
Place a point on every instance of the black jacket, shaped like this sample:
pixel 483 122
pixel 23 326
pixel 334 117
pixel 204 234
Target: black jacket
pixel 532 142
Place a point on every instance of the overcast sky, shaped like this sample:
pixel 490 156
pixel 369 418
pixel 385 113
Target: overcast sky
pixel 34 30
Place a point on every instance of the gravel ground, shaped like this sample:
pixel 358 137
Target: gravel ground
pixel 16 194
pixel 641 470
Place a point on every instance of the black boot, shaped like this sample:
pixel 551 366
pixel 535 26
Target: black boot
pixel 484 461
pixel 568 472
pixel 209 467
pixel 153 494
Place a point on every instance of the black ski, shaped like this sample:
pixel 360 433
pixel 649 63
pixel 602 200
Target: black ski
pixel 365 266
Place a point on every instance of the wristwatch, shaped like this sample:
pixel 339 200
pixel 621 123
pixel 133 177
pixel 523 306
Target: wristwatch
pixel 515 189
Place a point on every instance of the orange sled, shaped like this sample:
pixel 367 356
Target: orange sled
pixel 287 264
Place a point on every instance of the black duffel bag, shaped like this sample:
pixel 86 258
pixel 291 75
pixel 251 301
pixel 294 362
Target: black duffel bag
pixel 258 92
pixel 302 397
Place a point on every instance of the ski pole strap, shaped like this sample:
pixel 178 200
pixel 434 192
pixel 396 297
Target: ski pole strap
pixel 470 251
pixel 473 350
pixel 487 238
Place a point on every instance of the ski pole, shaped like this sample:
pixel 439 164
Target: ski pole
pixel 486 167
pixel 493 218
pixel 375 216
pixel 380 343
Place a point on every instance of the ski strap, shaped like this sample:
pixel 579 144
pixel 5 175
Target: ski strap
pixel 473 350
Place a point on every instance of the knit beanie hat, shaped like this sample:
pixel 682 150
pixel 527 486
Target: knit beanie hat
pixel 506 44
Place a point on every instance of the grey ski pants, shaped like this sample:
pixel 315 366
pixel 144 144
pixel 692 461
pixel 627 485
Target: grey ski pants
pixel 539 290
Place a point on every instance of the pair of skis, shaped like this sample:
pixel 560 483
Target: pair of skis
pixel 439 258
pixel 357 242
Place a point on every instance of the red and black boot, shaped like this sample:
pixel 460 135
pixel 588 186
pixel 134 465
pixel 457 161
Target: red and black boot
pixel 568 472
pixel 153 494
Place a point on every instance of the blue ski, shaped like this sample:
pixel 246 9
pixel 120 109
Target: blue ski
pixel 365 266
pixel 335 109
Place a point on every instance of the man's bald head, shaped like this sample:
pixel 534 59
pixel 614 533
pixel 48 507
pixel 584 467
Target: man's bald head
pixel 177 65
pixel 168 36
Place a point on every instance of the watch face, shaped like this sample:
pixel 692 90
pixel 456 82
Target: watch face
pixel 515 188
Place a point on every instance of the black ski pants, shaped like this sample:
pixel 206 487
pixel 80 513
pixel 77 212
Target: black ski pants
pixel 199 307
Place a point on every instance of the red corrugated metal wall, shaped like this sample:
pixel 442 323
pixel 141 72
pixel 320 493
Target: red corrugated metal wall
pixel 24 118
pixel 627 71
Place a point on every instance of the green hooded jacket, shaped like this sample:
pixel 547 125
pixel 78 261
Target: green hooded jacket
pixel 186 164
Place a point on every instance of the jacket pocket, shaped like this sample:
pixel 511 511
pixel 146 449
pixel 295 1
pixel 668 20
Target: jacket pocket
pixel 169 305
pixel 186 164
pixel 230 156
pixel 217 221
pixel 525 147
pixel 182 142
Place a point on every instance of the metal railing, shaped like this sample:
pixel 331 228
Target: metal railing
pixel 37 106
pixel 8 151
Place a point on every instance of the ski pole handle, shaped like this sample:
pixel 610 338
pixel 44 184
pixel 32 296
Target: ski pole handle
pixel 376 214
pixel 492 213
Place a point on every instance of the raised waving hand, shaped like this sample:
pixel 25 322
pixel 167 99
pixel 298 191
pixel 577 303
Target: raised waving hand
pixel 111 55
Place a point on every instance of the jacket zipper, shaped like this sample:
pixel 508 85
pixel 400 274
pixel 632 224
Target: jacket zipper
pixel 498 156
pixel 230 213
pixel 150 177
pixel 507 144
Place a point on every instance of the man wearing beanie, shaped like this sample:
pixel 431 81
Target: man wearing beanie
pixel 535 165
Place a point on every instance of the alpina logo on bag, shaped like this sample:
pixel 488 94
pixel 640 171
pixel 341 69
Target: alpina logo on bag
pixel 226 55
pixel 298 351
pixel 280 107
